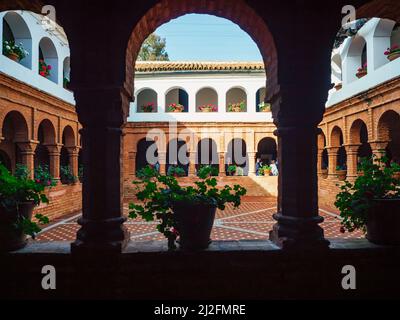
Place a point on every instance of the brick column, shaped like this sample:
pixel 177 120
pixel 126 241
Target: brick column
pixel 132 164
pixel 252 163
pixel 222 171
pixel 319 161
pixel 352 153
pixel 28 156
pixel 192 164
pixel 162 158
pixel 102 230
pixel 332 157
pixel 73 153
pixel 379 148
pixel 54 155
pixel 298 218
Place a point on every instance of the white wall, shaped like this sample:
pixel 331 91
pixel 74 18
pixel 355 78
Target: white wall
pixel 28 72
pixel 192 83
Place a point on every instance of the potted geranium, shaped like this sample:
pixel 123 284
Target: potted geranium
pixel 372 203
pixel 393 53
pixel 213 171
pixel 208 108
pixel 66 175
pixel 175 107
pixel 18 197
pixel 362 71
pixel 265 171
pixel 13 51
pixel 176 171
pixel 264 107
pixel 341 173
pixel 184 212
pixel 231 170
pixel 44 68
pixel 43 176
pixel 237 107
pixel 148 107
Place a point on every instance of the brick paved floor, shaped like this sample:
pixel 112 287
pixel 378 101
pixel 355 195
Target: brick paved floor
pixel 253 220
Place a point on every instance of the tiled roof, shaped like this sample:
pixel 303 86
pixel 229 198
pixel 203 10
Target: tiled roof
pixel 168 66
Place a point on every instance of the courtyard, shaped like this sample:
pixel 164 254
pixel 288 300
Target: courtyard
pixel 251 221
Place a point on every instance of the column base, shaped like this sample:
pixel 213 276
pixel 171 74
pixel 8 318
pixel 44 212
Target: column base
pixel 101 237
pixel 292 233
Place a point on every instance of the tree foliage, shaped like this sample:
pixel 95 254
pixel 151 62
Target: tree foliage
pixel 153 49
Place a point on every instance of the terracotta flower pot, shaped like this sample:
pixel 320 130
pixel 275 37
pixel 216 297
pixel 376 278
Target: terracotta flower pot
pixel 206 110
pixel 194 224
pixel 338 86
pixel 361 74
pixel 383 222
pixel 394 55
pixel 11 238
pixel 13 57
pixel 341 174
pixel 236 109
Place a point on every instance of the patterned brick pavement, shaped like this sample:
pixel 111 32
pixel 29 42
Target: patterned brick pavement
pixel 252 221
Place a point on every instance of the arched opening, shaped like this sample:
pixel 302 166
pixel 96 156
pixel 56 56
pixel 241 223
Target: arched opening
pixel 236 100
pixel 15 130
pixel 237 155
pixel 147 101
pixel 146 154
pixel 16 33
pixel 177 100
pixel 359 135
pixel 177 158
pixel 395 36
pixel 66 72
pixel 389 131
pixel 323 153
pixel 5 160
pixel 261 104
pixel 48 60
pixel 207 155
pixel 207 100
pixel 267 150
pixel 46 137
pixel 337 141
pixel 68 141
pixel 356 60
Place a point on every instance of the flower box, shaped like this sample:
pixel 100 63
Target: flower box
pixel 362 72
pixel 44 69
pixel 393 53
pixel 147 108
pixel 13 51
pixel 338 86
pixel 208 108
pixel 13 56
pixel 175 107
pixel 237 107
pixel 264 107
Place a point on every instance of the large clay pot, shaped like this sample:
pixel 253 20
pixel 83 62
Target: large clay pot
pixel 13 57
pixel 11 238
pixel 393 56
pixel 341 174
pixel 194 224
pixel 383 222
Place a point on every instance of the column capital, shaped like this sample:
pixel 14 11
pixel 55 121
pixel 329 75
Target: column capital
pixel 74 150
pixel 332 150
pixel 352 148
pixel 378 144
pixel 54 149
pixel 28 147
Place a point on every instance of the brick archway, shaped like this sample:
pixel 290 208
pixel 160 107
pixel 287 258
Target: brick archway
pixel 235 10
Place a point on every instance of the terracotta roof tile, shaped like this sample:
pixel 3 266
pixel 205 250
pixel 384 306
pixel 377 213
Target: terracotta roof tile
pixel 165 66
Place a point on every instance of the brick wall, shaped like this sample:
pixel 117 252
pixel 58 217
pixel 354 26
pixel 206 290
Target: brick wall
pixel 327 191
pixel 63 200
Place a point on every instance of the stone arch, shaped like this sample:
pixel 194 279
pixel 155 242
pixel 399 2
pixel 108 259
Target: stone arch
pixel 48 53
pixel 46 135
pixel 15 127
pixel 336 137
pixel 68 137
pixel 207 153
pixel 389 131
pixel 239 12
pixel 356 57
pixel 177 95
pixel 142 148
pixel 206 96
pixel 177 154
pixel 16 29
pixel 236 95
pixel 147 97
pixel 359 136
pixel 267 150
pixel 237 153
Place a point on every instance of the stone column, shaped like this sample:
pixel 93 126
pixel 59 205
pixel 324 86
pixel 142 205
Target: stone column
pixel 352 153
pixel 73 153
pixel 28 155
pixel 192 164
pixel 102 230
pixel 162 157
pixel 54 154
pixel 379 148
pixel 222 171
pixel 252 163
pixel 297 219
pixel 332 157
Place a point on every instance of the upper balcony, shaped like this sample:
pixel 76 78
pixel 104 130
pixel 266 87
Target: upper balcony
pixel 43 43
pixel 200 92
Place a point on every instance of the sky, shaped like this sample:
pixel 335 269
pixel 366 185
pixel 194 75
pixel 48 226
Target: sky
pixel 201 37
